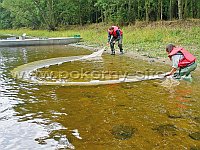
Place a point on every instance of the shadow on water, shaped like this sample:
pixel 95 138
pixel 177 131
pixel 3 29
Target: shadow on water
pixel 143 115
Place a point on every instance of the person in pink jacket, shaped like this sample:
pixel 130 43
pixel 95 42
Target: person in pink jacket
pixel 115 34
pixel 183 62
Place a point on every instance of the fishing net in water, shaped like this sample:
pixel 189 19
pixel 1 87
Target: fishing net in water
pixel 169 83
pixel 25 71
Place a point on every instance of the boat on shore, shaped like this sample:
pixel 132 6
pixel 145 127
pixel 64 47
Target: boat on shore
pixel 38 41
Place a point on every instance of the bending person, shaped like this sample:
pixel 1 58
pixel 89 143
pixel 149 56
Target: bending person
pixel 115 35
pixel 183 62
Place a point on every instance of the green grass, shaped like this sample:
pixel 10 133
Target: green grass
pixel 149 40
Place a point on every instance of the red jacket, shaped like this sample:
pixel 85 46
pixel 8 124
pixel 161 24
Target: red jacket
pixel 114 33
pixel 188 57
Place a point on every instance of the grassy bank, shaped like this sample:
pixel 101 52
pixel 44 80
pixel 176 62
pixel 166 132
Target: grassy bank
pixel 149 40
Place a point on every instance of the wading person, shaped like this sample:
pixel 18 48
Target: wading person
pixel 183 62
pixel 115 35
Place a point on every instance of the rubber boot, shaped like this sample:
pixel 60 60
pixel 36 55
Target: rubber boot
pixel 176 75
pixel 112 49
pixel 121 49
pixel 113 52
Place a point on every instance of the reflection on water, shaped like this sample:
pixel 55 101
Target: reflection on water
pixel 143 115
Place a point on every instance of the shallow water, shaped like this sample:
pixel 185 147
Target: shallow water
pixel 95 117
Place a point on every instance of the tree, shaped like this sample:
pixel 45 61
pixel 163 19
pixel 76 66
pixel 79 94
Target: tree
pixel 160 9
pixel 52 14
pixel 22 13
pixel 47 11
pixel 5 18
pixel 185 8
pixel 147 5
pixel 170 10
pixel 180 10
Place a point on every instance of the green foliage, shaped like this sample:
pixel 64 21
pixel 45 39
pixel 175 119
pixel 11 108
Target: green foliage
pixel 5 19
pixel 150 40
pixel 52 14
pixel 22 13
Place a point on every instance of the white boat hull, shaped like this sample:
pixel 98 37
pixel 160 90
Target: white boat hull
pixel 34 42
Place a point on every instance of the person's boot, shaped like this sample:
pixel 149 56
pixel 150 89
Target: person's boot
pixel 112 48
pixel 113 52
pixel 121 49
pixel 176 76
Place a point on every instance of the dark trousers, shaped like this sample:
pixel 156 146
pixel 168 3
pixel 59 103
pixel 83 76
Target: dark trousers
pixel 112 45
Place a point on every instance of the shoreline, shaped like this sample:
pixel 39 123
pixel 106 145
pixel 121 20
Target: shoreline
pixel 130 54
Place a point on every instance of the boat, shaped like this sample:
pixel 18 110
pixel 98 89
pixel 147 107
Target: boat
pixel 38 41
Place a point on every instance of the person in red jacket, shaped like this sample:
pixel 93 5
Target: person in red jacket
pixel 183 62
pixel 115 35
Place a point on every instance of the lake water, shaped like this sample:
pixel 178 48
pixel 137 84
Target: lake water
pixel 141 115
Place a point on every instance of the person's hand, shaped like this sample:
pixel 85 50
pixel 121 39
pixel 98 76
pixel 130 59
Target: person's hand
pixel 167 74
pixel 108 43
pixel 113 42
pixel 171 72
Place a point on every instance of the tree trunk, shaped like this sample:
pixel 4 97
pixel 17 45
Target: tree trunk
pixel 180 10
pixel 102 19
pixel 199 12
pixel 96 15
pixel 191 8
pixel 52 21
pixel 105 16
pixel 186 9
pixel 147 10
pixel 129 11
pixel 46 17
pixel 158 14
pixel 198 9
pixel 80 14
pixel 170 10
pixel 161 10
pixel 138 13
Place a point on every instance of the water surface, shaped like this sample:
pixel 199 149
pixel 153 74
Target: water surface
pixel 94 117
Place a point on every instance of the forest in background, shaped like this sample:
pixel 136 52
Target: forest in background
pixel 55 14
